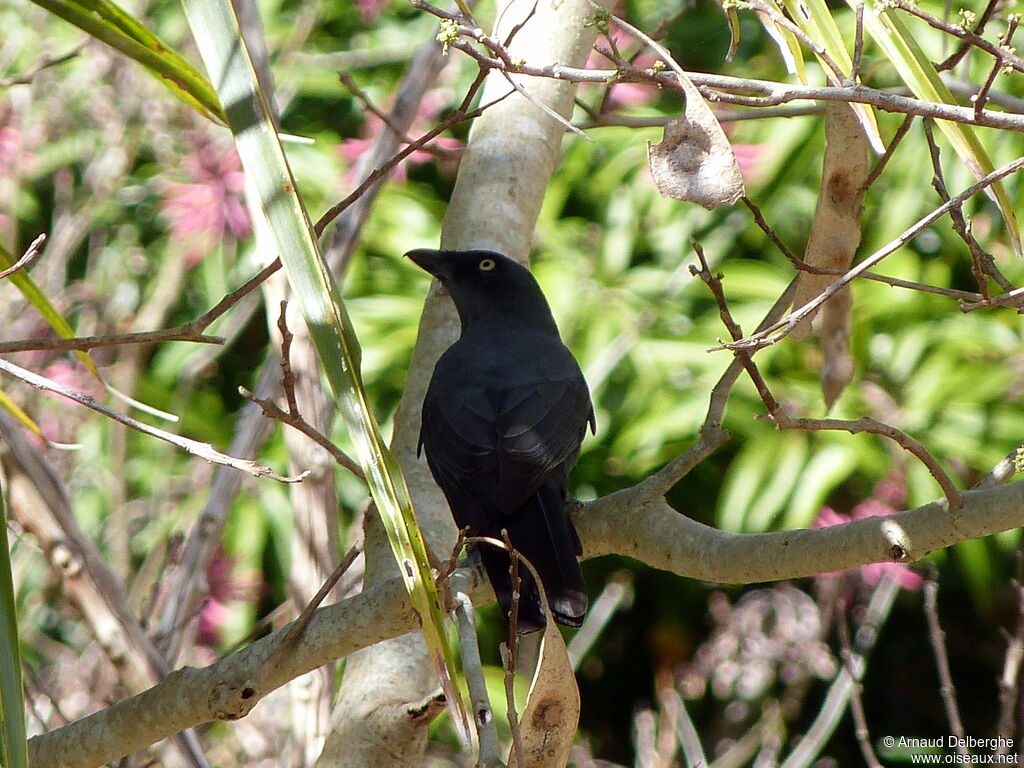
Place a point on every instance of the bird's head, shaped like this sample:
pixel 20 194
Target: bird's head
pixel 486 284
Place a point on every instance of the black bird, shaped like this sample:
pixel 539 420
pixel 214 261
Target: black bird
pixel 503 419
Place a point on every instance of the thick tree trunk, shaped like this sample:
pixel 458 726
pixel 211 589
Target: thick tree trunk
pixel 512 151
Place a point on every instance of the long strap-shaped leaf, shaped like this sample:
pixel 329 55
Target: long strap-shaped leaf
pixel 13 743
pixel 24 283
pixel 815 19
pixel 227 60
pixel 106 21
pixel 892 35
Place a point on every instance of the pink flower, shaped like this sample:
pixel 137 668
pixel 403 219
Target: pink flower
pixel 750 158
pixel 426 117
pixel 888 492
pixel 226 585
pixel 210 204
pixel 370 9
pixel 14 157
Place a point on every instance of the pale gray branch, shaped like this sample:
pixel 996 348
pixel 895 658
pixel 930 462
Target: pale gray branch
pixel 627 522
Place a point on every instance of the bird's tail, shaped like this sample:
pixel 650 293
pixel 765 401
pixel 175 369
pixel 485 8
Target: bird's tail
pixel 541 531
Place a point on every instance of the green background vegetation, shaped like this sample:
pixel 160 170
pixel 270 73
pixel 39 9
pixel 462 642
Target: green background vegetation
pixel 94 148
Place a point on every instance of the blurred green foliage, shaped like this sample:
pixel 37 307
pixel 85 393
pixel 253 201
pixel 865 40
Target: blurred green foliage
pixel 91 152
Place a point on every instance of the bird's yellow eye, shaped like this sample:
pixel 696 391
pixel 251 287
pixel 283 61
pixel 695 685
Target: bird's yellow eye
pixel 486 265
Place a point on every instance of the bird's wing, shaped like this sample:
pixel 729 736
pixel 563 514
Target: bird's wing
pixel 459 434
pixel 498 441
pixel 540 428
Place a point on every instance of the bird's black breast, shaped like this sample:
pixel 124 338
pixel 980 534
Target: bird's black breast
pixel 503 414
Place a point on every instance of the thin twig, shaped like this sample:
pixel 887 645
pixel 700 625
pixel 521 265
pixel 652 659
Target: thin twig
pixel 982 263
pixel 896 282
pixel 858 45
pixel 965 45
pixel 461 114
pixel 981 97
pixel 45 63
pixel 783 420
pixel 938 641
pixel 1004 43
pixel 1006 58
pixel 610 119
pixel 516 28
pixel 298 627
pixel 202 450
pixel 287 376
pixel 1009 679
pixel 771 10
pixel 193 331
pixel 292 417
pixel 30 255
pixel 364 98
pixel 722 88
pixel 769 232
pixel 544 107
pixel 778 330
pixel 510 651
pixel 85 343
pixel 860 722
pixel 419 76
pixel 272 411
pixel 883 161
pixel 712 436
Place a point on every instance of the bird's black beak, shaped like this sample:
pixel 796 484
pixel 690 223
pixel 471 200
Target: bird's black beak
pixel 429 260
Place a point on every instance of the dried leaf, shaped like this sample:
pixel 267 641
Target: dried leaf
pixel 694 162
pixel 552 711
pixel 734 29
pixel 838 366
pixel 787 44
pixel 835 233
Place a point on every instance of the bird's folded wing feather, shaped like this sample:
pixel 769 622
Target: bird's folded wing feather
pixel 510 437
pixel 539 430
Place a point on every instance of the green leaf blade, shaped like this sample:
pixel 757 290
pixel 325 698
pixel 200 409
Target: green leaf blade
pixel 896 41
pixel 110 24
pixel 288 227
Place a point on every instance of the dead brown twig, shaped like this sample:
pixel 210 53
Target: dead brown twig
pixel 364 98
pixel 510 651
pixel 983 265
pixel 460 115
pixel 783 420
pixel 896 282
pixel 45 63
pixel 292 417
pixel 195 447
pixel 31 254
pixel 193 331
pixel 779 330
pixel 294 634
